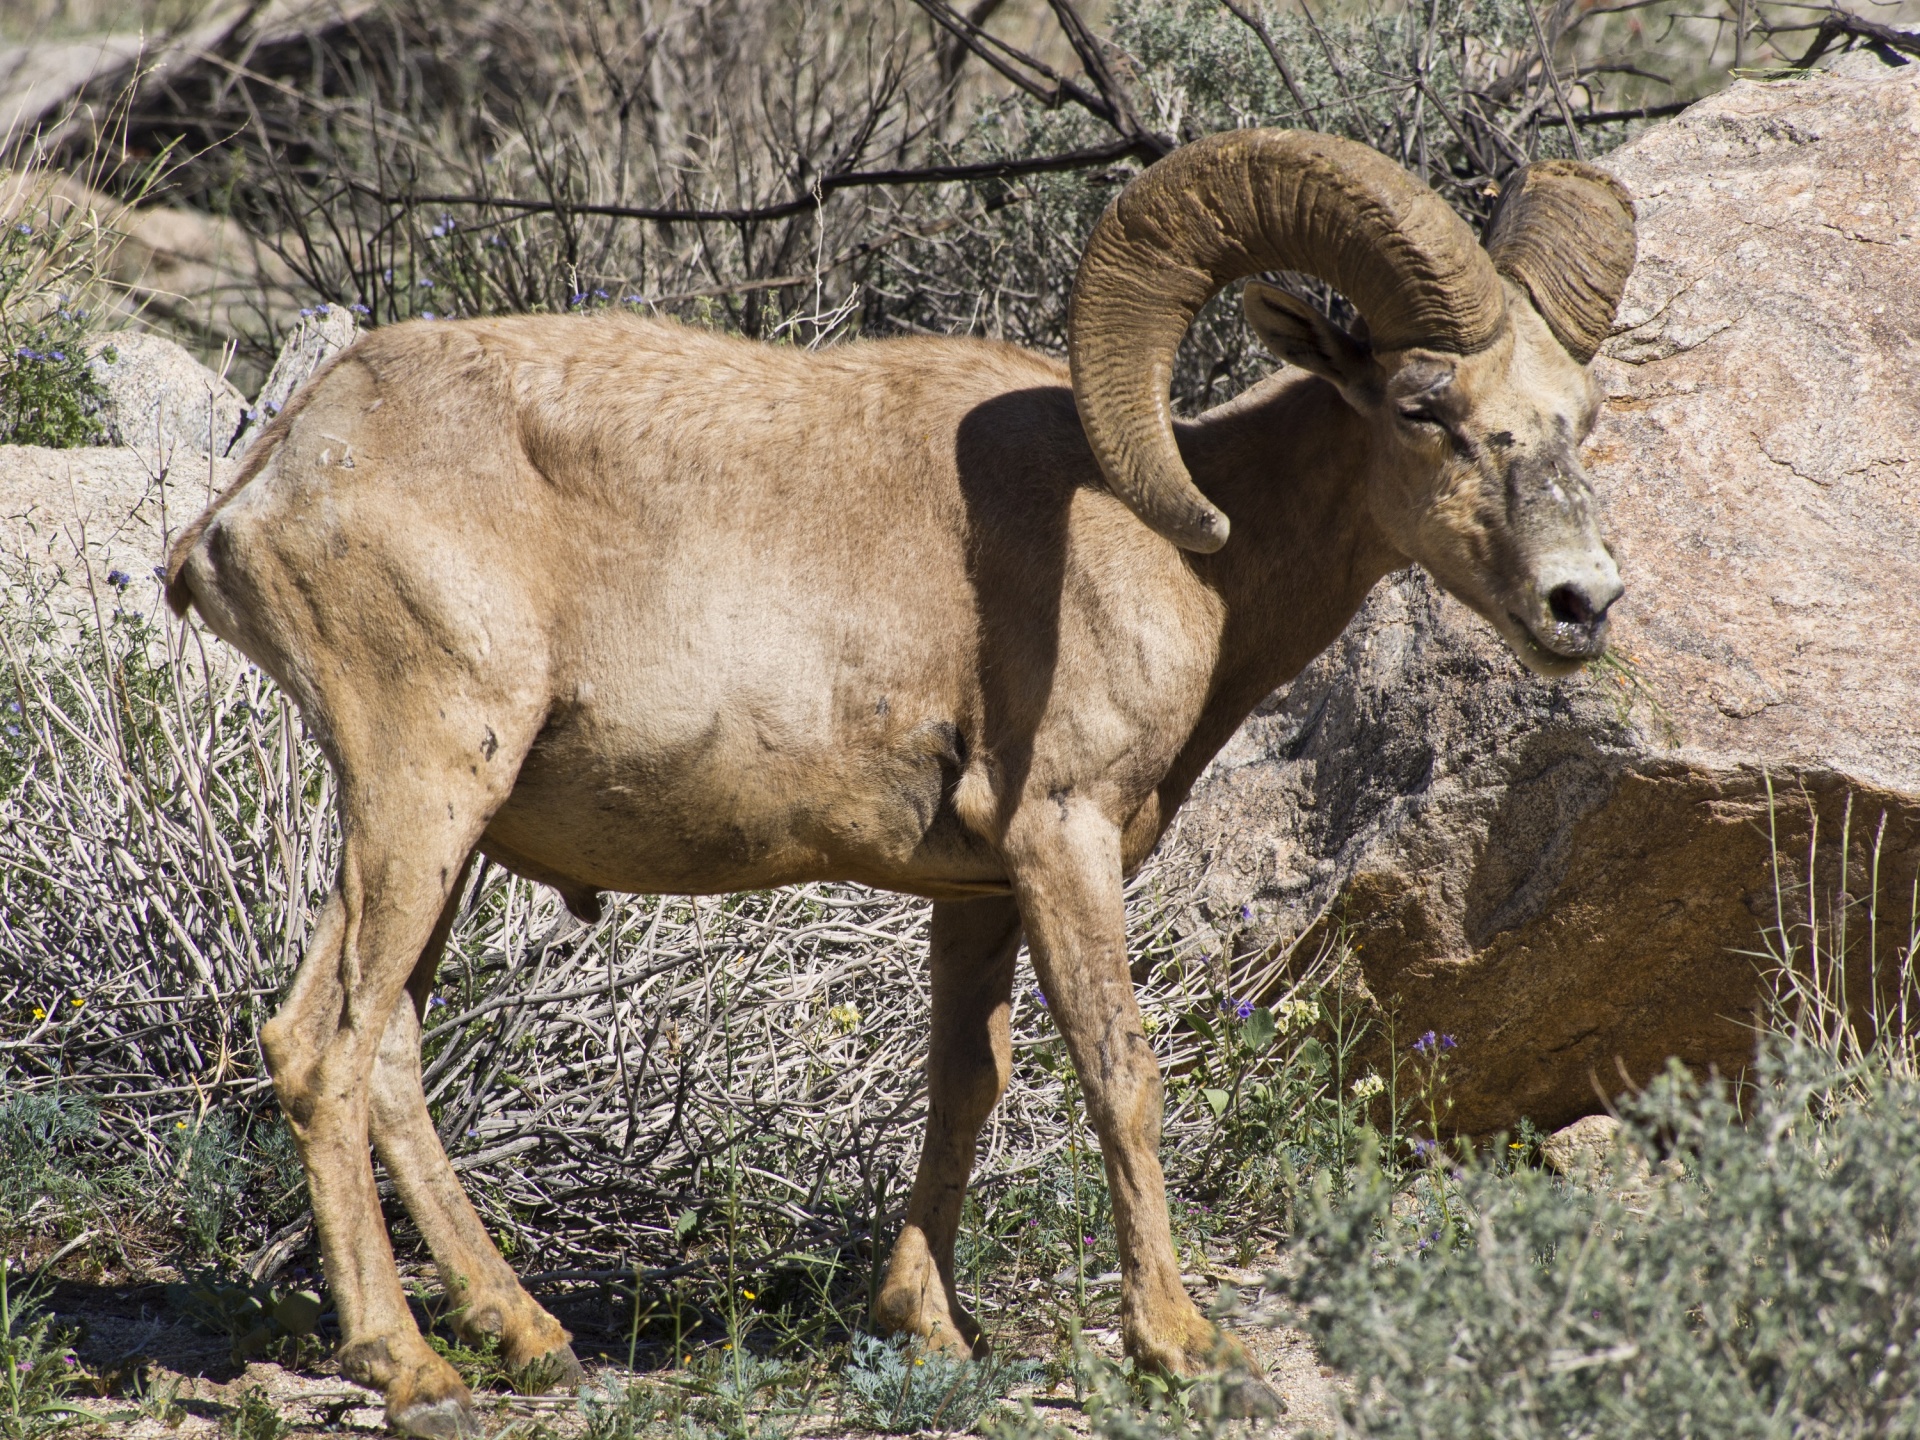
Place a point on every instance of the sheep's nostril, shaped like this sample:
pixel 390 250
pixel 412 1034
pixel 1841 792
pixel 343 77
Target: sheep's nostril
pixel 1569 606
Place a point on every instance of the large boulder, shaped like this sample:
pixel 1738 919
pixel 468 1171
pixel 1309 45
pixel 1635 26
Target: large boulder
pixel 1572 877
pixel 102 508
pixel 160 400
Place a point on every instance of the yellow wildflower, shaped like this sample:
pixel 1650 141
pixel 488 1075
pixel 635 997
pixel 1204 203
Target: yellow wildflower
pixel 38 1013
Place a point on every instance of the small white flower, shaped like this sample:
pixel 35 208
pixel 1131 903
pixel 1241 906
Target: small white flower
pixel 1295 1015
pixel 1368 1086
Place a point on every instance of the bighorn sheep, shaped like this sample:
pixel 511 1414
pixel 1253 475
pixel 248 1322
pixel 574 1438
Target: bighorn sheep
pixel 627 606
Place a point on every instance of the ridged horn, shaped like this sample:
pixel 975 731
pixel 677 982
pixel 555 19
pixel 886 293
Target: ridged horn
pixel 1564 230
pixel 1232 205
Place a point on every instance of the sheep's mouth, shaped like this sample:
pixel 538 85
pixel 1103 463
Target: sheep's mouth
pixel 1555 650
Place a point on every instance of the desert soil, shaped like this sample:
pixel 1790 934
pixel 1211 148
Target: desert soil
pixel 130 1332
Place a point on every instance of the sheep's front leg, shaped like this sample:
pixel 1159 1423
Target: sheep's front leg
pixel 1067 879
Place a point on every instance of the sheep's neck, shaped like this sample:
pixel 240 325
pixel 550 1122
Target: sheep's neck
pixel 1288 462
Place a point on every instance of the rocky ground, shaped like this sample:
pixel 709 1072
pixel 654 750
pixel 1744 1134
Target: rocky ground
pixel 130 1331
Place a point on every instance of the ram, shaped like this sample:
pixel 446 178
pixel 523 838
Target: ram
pixel 627 606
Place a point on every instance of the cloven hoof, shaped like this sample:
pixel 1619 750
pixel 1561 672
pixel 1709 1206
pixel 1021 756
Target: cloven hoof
pixel 449 1419
pixel 556 1371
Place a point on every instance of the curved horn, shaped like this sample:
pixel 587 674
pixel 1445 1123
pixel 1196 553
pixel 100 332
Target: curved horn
pixel 1231 205
pixel 1564 230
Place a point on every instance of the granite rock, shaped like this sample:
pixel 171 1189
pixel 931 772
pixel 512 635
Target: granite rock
pixel 161 400
pixel 1573 877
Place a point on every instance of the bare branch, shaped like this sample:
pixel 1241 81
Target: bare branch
pixel 798 205
pixel 1112 106
pixel 1840 25
pixel 1614 117
pixel 1553 79
pixel 1254 23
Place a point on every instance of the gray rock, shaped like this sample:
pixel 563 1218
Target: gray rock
pixel 1572 877
pixel 1589 1146
pixel 321 334
pixel 160 400
pixel 87 529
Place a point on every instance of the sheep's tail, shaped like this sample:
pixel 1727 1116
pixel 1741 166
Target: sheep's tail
pixel 179 588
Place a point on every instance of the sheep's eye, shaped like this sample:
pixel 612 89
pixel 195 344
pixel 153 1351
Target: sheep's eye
pixel 1419 414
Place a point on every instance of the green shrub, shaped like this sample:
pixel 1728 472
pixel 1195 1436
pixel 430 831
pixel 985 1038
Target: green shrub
pixel 1123 1402
pixel 48 393
pixel 52 254
pixel 620 1410
pixel 38 1370
pixel 1763 1282
pixel 901 1389
pixel 261 1319
pixel 206 1175
pixel 256 1417
pixel 37 1167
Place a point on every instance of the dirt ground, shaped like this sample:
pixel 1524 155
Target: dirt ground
pixel 129 1330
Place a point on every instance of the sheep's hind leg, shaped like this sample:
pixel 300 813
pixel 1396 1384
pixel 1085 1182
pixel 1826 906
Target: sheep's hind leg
pixel 968 1060
pixel 486 1297
pixel 399 864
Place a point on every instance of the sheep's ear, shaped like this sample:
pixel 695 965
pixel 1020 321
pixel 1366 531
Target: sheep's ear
pixel 1300 335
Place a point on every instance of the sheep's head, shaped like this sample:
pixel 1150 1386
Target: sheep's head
pixel 1470 367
